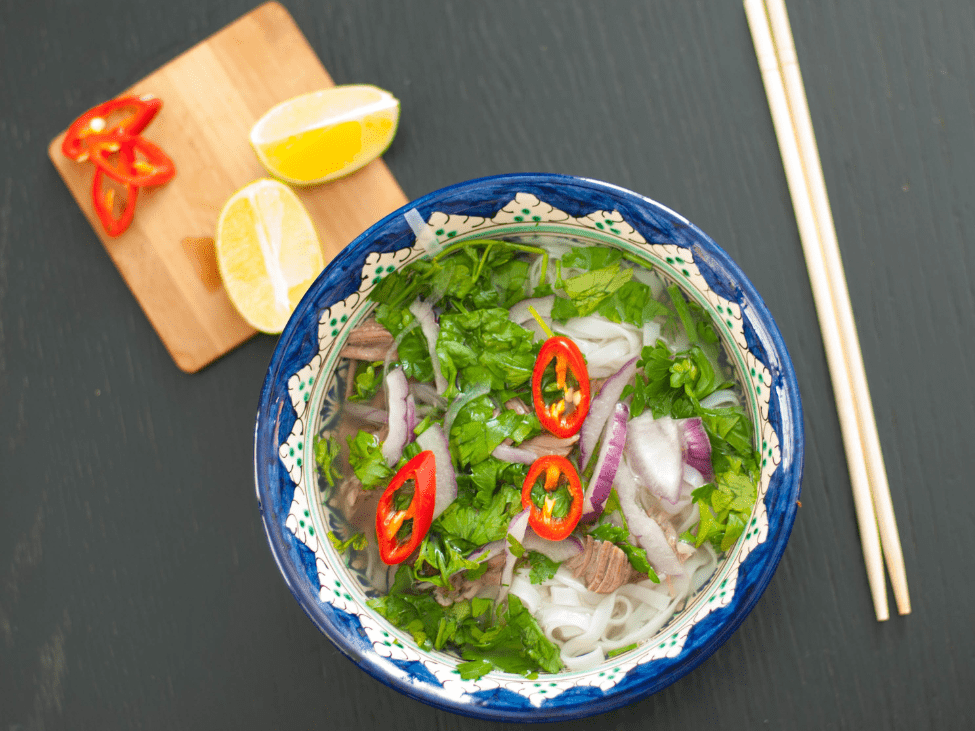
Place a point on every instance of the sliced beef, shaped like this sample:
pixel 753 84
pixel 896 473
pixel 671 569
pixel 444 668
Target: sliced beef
pixel 602 566
pixel 368 341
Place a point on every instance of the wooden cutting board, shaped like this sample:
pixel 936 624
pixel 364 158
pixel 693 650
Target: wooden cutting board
pixel 212 95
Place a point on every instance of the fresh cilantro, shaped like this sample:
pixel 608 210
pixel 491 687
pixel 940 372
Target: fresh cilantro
pixel 725 506
pixel 514 545
pixel 412 350
pixel 589 289
pixel 366 460
pixel 357 542
pixel 542 568
pixel 479 520
pixel 484 346
pixel 591 257
pixel 477 430
pixel 509 640
pixel 367 381
pixel 514 644
pixel 441 555
pixel 326 450
pixel 632 303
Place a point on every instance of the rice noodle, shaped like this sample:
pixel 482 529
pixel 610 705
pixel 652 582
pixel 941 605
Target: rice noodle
pixel 607 345
pixel 586 625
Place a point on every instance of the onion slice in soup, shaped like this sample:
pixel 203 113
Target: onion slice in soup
pixel 653 451
pixel 434 439
pixel 516 529
pixel 601 408
pixel 423 312
pixel 558 551
pixel 643 528
pixel 614 439
pixel 397 390
pixel 696 447
pixel 507 453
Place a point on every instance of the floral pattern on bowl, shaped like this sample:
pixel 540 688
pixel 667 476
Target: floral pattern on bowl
pixel 312 391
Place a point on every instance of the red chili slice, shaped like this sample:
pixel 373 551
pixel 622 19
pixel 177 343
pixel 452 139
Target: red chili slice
pixel 131 160
pixel 104 200
pixel 133 113
pixel 396 537
pixel 564 416
pixel 556 472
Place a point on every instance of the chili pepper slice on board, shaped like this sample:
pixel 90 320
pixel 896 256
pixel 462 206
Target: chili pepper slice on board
pixel 400 529
pixel 131 114
pixel 105 200
pixel 564 416
pixel 131 160
pixel 552 480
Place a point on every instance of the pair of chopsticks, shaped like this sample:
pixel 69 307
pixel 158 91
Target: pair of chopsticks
pixel 776 52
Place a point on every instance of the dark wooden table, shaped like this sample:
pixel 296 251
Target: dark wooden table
pixel 137 590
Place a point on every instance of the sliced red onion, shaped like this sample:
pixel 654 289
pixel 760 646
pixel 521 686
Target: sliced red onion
pixel 434 439
pixel 696 447
pixel 520 313
pixel 556 550
pixel 487 551
pixel 507 453
pixel 601 407
pixel 516 529
pixel 643 528
pixel 475 391
pixel 396 392
pixel 614 439
pixel 411 420
pixel 423 312
pixel 653 451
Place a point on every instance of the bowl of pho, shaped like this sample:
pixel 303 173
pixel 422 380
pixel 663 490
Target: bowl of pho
pixel 530 448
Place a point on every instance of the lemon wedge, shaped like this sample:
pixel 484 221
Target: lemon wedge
pixel 317 137
pixel 267 252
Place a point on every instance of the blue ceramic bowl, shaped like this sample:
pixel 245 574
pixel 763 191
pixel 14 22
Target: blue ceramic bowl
pixel 299 394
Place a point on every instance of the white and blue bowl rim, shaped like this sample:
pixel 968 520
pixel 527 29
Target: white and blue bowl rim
pixel 484 197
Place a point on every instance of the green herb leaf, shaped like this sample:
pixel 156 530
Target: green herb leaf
pixel 367 381
pixel 366 460
pixel 326 451
pixel 542 568
pixel 589 289
pixel 484 346
pixel 356 542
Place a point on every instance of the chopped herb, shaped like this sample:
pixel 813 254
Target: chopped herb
pixel 326 450
pixel 542 567
pixel 356 542
pixel 366 460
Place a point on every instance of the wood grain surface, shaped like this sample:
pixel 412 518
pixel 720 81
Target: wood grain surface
pixel 212 95
pixel 137 590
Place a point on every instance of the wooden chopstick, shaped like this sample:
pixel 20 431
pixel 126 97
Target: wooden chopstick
pixel 775 50
pixel 877 473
